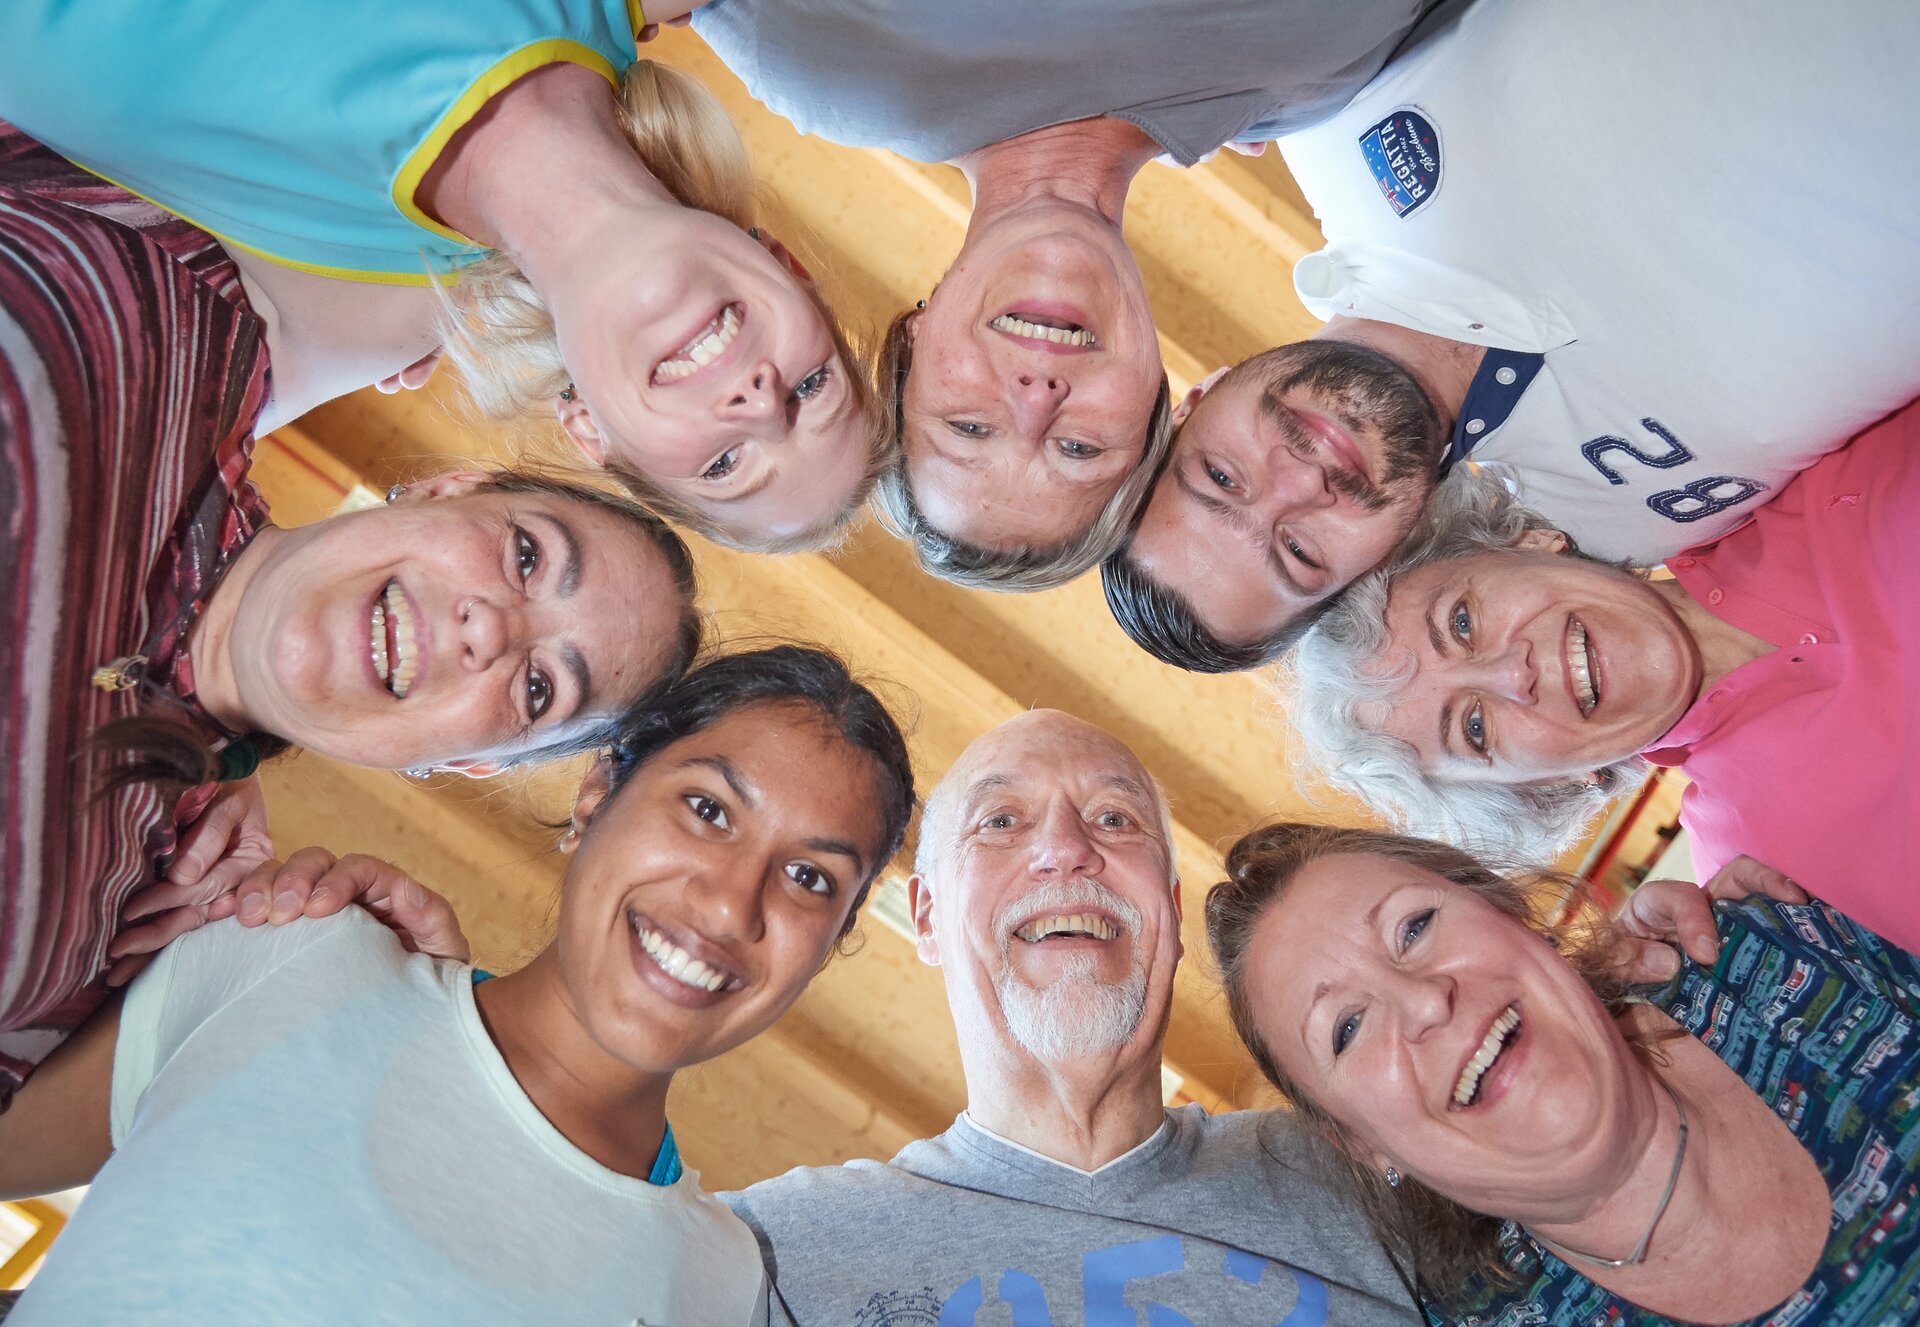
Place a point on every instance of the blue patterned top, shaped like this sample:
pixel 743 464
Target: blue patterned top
pixel 1817 1015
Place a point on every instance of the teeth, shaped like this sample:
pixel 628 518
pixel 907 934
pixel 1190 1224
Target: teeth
pixel 1084 923
pixel 399 672
pixel 678 963
pixel 379 637
pixel 1580 663
pixel 712 342
pixel 1468 1086
pixel 1066 336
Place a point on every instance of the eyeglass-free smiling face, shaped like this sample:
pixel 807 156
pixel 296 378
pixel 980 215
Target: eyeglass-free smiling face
pixel 710 888
pixel 1290 479
pixel 460 622
pixel 1531 666
pixel 1035 371
pixel 1450 1038
pixel 700 363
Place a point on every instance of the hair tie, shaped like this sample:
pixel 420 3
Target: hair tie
pixel 238 760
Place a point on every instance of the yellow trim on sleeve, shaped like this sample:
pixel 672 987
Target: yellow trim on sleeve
pixel 636 17
pixel 515 66
pixel 365 277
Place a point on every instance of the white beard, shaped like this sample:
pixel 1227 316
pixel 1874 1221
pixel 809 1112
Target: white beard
pixel 1077 1014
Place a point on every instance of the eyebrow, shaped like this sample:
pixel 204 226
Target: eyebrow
pixel 1372 924
pixel 1126 783
pixel 728 771
pixel 570 566
pixel 576 663
pixel 983 785
pixel 840 847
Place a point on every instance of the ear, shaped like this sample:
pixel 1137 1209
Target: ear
pixel 592 795
pixel 920 902
pixel 782 253
pixel 913 325
pixel 450 485
pixel 581 426
pixel 1194 393
pixel 472 769
pixel 1541 541
pixel 1179 917
pixel 413 377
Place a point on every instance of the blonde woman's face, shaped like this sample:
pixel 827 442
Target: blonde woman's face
pixel 702 364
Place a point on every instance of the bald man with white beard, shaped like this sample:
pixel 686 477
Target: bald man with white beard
pixel 1044 890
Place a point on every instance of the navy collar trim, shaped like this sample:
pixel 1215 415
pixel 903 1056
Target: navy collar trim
pixel 1496 389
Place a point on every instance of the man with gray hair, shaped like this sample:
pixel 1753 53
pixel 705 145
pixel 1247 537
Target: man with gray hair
pixel 1044 890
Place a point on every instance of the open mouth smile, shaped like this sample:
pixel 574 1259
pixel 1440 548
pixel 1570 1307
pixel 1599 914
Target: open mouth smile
pixel 1466 1088
pixel 678 964
pixel 1582 672
pixel 1071 926
pixel 391 640
pixel 707 346
pixel 1055 333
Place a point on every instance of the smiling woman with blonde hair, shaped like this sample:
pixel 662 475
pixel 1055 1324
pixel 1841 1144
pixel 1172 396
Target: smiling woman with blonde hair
pixel 589 215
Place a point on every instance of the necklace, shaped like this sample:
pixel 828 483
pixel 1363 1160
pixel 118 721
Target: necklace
pixel 1639 1254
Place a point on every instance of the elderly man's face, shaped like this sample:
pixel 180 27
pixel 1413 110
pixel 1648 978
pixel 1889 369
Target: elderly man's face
pixel 1050 904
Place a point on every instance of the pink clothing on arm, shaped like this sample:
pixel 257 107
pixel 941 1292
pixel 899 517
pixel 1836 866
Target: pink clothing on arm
pixel 1808 759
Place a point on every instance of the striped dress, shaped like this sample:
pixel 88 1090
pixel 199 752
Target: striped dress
pixel 131 371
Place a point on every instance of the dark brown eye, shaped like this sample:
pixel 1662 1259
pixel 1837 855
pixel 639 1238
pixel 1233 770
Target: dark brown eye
pixel 539 693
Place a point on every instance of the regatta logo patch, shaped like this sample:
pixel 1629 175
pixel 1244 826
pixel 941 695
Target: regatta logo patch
pixel 1403 152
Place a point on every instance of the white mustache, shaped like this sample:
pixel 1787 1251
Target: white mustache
pixel 1062 896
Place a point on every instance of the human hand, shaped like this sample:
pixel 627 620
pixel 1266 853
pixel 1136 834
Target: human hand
pixel 218 850
pixel 1664 913
pixel 315 883
pixel 413 377
pixel 652 30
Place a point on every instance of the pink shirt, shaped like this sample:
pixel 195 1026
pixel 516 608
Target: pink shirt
pixel 1806 759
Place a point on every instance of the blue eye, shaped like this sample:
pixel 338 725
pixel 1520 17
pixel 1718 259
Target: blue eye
pixel 722 466
pixel 814 383
pixel 968 428
pixel 1344 1032
pixel 1079 451
pixel 1414 927
pixel 1462 623
pixel 1473 726
pixel 1218 476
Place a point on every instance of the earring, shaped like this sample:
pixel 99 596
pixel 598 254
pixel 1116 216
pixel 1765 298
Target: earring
pixel 920 304
pixel 419 773
pixel 393 494
pixel 1393 1178
pixel 753 232
pixel 566 393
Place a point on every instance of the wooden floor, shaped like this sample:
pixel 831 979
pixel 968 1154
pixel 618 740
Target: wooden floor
pixel 866 1060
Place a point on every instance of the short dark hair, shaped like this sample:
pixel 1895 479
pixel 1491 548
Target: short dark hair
pixel 783 674
pixel 1163 623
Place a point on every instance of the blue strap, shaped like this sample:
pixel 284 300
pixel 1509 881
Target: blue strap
pixel 1496 389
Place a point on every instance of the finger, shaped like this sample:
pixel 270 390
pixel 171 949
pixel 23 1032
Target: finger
pixel 205 841
pixel 150 937
pixel 1649 961
pixel 647 33
pixel 251 897
pixel 425 922
pixel 158 898
pixel 126 969
pixel 1698 937
pixel 295 883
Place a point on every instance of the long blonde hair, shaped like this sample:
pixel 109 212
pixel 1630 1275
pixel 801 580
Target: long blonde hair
pixel 497 329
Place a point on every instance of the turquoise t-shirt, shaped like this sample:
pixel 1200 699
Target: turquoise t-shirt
pixel 298 132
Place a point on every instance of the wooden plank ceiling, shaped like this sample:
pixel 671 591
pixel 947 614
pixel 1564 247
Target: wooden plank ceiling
pixel 866 1060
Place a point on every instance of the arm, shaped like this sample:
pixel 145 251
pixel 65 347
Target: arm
pixel 57 1133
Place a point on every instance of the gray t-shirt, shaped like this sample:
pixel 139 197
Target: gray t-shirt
pixel 1215 1221
pixel 933 80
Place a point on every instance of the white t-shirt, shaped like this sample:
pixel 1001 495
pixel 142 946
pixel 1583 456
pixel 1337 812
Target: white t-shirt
pixel 312 1126
pixel 1704 213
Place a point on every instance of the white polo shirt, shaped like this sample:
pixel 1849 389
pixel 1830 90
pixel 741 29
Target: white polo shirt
pixel 1704 214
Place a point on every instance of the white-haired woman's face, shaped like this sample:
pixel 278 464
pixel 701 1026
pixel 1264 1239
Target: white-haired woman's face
pixel 1448 1037
pixel 1531 666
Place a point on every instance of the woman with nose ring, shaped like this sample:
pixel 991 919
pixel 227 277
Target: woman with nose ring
pixel 1497 688
pixel 1536 1140
pixel 476 1150
pixel 500 182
